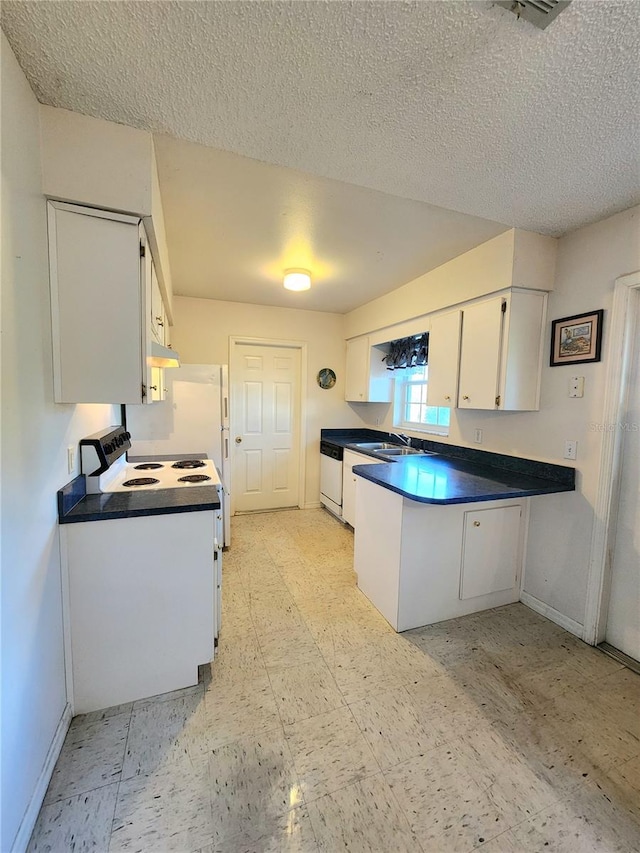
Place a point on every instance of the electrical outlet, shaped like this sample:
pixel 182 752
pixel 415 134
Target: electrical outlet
pixel 478 436
pixel 71 459
pixel 576 386
pixel 570 449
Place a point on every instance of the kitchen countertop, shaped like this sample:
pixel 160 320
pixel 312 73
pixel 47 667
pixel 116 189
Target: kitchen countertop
pixel 75 505
pixel 442 480
pixel 454 474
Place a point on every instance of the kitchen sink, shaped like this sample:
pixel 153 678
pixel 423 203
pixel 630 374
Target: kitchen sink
pixel 375 445
pixel 389 450
pixel 400 451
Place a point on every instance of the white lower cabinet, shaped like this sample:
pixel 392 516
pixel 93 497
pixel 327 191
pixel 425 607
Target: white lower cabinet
pixel 422 563
pixel 141 603
pixel 490 540
pixel 350 483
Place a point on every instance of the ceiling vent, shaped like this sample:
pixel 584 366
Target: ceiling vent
pixel 540 13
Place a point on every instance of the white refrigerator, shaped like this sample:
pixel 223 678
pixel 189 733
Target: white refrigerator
pixel 193 418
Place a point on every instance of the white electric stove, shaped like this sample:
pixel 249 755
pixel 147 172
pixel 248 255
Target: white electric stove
pixel 145 590
pixel 105 466
pixel 125 476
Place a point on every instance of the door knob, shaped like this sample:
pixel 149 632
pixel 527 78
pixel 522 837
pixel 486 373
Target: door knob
pixel 238 439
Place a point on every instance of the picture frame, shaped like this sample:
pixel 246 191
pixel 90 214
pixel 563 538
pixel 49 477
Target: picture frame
pixel 326 378
pixel 576 339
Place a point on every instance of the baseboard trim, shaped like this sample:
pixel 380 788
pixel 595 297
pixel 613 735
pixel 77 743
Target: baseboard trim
pixel 313 505
pixel 551 613
pixel 30 817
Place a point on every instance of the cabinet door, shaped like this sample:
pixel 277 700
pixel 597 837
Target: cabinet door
pixel 444 359
pixel 490 551
pixel 482 325
pixel 357 371
pixel 157 389
pixel 350 483
pixel 96 305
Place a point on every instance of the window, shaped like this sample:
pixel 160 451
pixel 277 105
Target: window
pixel 411 410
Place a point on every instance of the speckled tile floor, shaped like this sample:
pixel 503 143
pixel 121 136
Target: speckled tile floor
pixel 323 730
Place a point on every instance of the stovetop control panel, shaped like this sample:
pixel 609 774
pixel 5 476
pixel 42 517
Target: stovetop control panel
pixel 100 450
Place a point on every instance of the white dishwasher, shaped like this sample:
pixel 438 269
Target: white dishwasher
pixel 331 477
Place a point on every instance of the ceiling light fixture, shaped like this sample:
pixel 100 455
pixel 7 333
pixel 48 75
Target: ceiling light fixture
pixel 297 279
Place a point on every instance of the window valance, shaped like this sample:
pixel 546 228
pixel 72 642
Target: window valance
pixel 408 352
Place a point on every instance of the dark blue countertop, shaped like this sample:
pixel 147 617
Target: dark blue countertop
pixel 74 505
pixel 442 480
pixel 455 474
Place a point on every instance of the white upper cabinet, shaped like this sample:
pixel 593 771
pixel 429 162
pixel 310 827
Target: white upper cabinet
pixel 488 354
pixel 501 352
pixel 367 379
pixel 444 356
pixel 100 298
pixel 480 354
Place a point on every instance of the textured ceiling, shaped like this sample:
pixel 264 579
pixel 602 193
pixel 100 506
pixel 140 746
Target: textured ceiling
pixel 234 225
pixel 442 106
pixel 458 104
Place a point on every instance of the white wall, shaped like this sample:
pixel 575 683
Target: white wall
pixel 35 435
pixel 514 258
pixel 91 161
pixel 587 264
pixel 201 335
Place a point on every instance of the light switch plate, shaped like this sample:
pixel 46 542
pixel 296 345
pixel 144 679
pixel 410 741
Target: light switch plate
pixel 478 436
pixel 71 459
pixel 570 449
pixel 576 386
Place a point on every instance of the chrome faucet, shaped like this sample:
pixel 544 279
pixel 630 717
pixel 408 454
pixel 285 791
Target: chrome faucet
pixel 404 439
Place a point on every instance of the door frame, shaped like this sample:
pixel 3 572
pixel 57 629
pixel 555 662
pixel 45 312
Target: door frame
pixel 302 409
pixel 625 313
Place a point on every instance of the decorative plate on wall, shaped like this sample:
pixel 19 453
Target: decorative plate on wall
pixel 326 378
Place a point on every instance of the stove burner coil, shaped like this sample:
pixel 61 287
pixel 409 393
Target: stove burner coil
pixel 189 463
pixel 193 478
pixel 148 466
pixel 141 481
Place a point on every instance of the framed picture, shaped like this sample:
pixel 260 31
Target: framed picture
pixel 326 378
pixel 575 340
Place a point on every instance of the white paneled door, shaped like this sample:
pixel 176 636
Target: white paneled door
pixel 623 621
pixel 266 426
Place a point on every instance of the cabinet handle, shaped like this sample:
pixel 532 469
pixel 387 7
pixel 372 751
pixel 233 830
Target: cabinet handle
pixel 159 321
pixel 476 524
pixel 153 387
pixel 447 396
pixel 465 397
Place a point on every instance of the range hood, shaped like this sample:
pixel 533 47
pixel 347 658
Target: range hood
pixel 162 356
